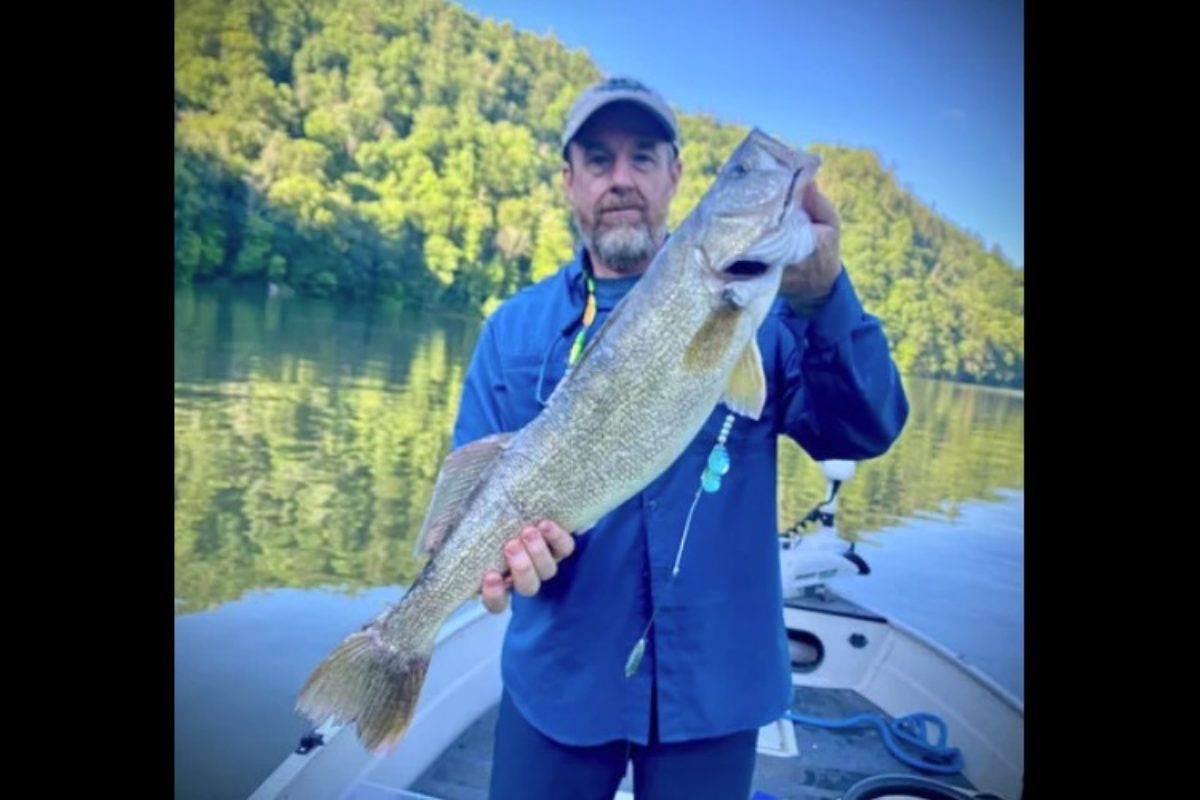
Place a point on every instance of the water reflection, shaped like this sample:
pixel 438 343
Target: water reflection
pixel 308 435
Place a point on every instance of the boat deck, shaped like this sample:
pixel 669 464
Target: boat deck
pixel 823 764
pixel 796 761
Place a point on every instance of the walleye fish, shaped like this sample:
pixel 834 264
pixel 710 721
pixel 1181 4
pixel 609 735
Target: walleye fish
pixel 680 342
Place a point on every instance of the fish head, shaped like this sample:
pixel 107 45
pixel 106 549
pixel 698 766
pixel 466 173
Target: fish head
pixel 753 222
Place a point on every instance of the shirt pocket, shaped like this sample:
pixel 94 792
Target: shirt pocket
pixel 530 379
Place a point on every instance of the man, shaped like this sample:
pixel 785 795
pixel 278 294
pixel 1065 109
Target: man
pixel 715 666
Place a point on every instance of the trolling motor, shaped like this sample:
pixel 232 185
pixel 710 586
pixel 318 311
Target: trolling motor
pixel 808 559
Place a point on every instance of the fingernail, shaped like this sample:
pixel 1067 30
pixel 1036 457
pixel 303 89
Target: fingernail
pixel 529 535
pixel 512 548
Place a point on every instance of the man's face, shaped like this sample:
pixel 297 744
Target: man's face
pixel 620 180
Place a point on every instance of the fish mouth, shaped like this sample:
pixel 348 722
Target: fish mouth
pixel 745 270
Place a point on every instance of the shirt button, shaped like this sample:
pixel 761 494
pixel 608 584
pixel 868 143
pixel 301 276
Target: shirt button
pixel 653 504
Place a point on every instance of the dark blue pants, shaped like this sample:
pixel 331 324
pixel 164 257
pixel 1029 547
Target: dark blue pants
pixel 527 765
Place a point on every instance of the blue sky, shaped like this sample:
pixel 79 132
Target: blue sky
pixel 936 87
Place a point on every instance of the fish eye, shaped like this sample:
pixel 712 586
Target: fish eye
pixel 738 169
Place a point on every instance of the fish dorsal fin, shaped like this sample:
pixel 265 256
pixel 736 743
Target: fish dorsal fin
pixel 461 472
pixel 746 392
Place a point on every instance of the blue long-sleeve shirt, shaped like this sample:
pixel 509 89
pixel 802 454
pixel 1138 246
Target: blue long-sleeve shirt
pixel 716 657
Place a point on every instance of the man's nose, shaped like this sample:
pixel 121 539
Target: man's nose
pixel 622 174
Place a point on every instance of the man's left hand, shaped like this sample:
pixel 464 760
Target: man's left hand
pixel 807 283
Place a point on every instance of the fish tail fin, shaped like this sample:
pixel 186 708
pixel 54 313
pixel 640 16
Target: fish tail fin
pixel 370 681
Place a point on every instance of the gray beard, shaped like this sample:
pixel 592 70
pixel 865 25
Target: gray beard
pixel 622 249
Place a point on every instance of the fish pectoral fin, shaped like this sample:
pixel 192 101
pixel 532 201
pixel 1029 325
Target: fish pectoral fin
pixel 461 472
pixel 746 392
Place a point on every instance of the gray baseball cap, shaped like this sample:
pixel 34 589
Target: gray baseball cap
pixel 612 90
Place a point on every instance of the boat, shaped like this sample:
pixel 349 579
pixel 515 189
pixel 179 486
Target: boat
pixel 879 709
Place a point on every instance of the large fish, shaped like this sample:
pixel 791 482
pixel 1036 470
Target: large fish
pixel 680 342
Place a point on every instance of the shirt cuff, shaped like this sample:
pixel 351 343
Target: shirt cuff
pixel 834 318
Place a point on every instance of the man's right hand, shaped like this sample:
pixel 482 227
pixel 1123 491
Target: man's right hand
pixel 532 558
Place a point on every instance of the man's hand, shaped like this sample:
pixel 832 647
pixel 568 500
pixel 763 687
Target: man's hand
pixel 806 284
pixel 532 558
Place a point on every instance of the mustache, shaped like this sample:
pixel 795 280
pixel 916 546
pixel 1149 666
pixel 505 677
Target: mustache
pixel 621 204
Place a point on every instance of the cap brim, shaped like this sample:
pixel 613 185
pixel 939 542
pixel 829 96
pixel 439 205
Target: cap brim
pixel 588 111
